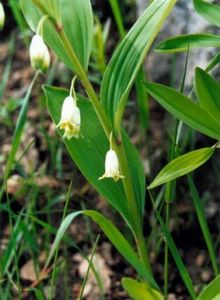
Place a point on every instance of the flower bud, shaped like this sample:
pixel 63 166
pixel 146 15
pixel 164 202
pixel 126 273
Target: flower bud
pixel 111 166
pixel 39 54
pixel 70 118
pixel 2 16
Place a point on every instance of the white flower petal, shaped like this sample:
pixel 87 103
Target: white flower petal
pixel 111 166
pixel 70 118
pixel 2 16
pixel 39 54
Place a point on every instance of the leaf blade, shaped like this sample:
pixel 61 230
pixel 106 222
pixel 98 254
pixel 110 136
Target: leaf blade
pixel 76 20
pixel 184 109
pixel 140 290
pixel 208 91
pixel 113 234
pixel 212 291
pixel 182 165
pixel 181 43
pixel 209 11
pixel 128 57
pixel 88 152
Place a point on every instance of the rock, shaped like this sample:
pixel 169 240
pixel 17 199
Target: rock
pixel 91 290
pixel 182 20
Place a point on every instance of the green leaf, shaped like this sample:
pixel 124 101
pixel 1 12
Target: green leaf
pixel 181 43
pixel 208 90
pixel 19 128
pixel 137 172
pixel 114 235
pixel 38 293
pixel 214 62
pixel 77 22
pixel 140 290
pixel 184 109
pixel 88 152
pixel 210 12
pixel 177 258
pixel 31 13
pixel 200 211
pixel 182 165
pixel 212 291
pixel 128 57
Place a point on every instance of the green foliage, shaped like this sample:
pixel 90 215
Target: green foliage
pixel 200 211
pixel 89 152
pixel 118 17
pixel 177 258
pixel 208 91
pixel 19 128
pixel 212 291
pixel 114 236
pixel 181 43
pixel 128 57
pixel 184 109
pixel 182 165
pixel 140 290
pixel 77 25
pixel 209 11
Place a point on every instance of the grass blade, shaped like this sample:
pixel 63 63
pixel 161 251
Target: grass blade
pixel 204 224
pixel 114 236
pixel 175 253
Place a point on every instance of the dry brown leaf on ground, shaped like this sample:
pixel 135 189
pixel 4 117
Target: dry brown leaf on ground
pixel 14 184
pixel 28 272
pixel 47 181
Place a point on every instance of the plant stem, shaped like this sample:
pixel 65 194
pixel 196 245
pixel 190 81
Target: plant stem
pixel 104 120
pixel 56 254
pixel 87 85
pixel 166 253
pixel 132 206
pixel 127 182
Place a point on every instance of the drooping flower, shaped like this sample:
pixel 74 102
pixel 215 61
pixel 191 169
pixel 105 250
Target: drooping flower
pixel 111 166
pixel 39 54
pixel 2 16
pixel 70 118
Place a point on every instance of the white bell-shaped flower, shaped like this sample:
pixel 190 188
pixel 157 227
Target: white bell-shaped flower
pixel 39 54
pixel 70 118
pixel 2 16
pixel 111 166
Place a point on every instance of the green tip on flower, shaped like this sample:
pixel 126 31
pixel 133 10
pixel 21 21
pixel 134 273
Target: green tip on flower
pixel 39 54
